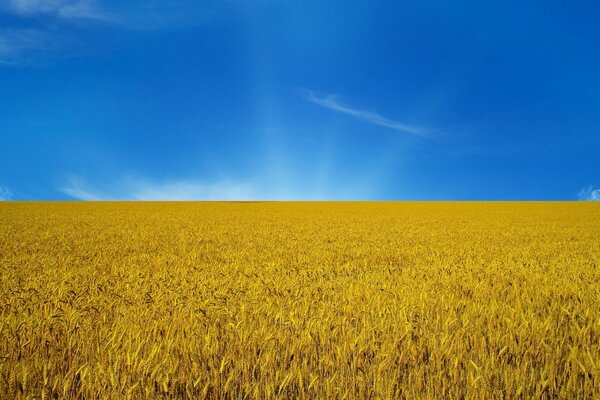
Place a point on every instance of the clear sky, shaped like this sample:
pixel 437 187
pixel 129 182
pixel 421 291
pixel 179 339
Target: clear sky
pixel 266 99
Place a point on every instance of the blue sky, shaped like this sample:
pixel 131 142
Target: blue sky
pixel 265 99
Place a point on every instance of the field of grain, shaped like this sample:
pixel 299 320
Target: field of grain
pixel 299 300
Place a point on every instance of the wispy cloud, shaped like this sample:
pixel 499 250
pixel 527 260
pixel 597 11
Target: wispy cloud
pixel 5 194
pixel 589 193
pixel 67 9
pixel 332 102
pixel 17 45
pixel 135 14
pixel 35 38
pixel 145 190
pixel 49 28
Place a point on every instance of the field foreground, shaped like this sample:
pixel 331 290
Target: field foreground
pixel 300 300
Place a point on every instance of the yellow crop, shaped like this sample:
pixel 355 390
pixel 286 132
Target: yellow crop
pixel 300 300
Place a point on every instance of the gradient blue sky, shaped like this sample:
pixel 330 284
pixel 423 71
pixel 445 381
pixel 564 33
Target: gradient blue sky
pixel 265 99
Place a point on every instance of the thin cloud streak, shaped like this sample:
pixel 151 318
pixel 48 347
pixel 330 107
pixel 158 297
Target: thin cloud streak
pixel 144 190
pixel 331 102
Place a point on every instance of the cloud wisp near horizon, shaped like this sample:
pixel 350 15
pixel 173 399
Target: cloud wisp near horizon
pixel 589 193
pixel 5 194
pixel 137 189
pixel 332 102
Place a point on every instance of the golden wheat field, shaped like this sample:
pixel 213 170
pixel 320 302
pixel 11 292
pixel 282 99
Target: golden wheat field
pixel 300 300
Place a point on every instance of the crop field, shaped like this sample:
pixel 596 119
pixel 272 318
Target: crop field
pixel 300 300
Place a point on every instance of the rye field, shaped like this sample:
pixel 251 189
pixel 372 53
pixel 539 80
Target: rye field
pixel 300 300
